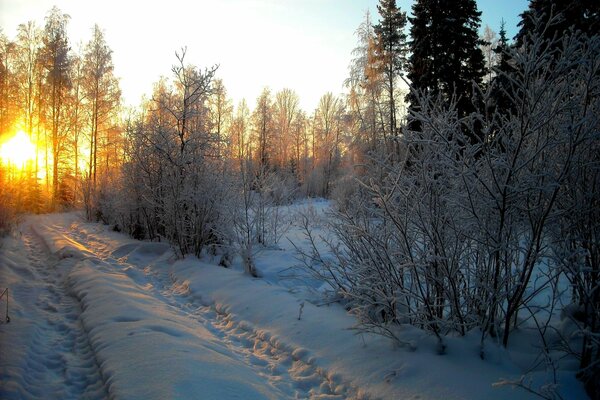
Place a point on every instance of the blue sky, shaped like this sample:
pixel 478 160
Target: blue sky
pixel 493 11
pixel 304 45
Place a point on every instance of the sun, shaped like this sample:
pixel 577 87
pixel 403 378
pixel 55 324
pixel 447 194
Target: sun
pixel 18 150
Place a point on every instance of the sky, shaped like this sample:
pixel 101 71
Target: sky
pixel 304 45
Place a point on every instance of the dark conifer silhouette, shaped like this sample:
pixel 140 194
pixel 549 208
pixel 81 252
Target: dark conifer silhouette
pixel 445 55
pixel 582 15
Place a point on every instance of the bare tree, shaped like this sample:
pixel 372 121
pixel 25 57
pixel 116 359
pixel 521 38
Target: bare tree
pixel 102 92
pixel 328 131
pixel 489 44
pixel 220 115
pixel 239 133
pixel 56 61
pixel 285 109
pixel 262 120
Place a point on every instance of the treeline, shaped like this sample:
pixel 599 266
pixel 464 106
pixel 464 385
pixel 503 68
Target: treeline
pixel 67 102
pixel 204 174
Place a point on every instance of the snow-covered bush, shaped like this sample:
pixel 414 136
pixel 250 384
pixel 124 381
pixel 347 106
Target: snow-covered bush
pixel 256 218
pixel 345 191
pixel 313 183
pixel 460 232
pixel 575 235
pixel 170 186
pixel 7 216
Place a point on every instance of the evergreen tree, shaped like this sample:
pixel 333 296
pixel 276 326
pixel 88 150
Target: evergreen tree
pixel 501 84
pixel 391 51
pixel 423 64
pixel 582 15
pixel 445 54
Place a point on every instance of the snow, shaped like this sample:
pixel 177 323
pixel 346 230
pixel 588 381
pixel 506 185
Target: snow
pixel 95 314
pixel 138 338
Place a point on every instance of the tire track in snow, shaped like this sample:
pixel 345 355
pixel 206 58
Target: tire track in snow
pixel 59 363
pixel 293 371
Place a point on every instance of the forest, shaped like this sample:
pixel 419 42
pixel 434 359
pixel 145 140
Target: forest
pixel 463 165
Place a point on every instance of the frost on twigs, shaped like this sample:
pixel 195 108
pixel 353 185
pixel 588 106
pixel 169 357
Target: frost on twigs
pixel 546 391
pixel 476 220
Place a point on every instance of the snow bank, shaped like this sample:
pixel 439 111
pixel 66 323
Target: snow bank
pixel 43 351
pixel 368 366
pixel 132 345
pixel 58 243
pixel 14 337
pixel 145 351
pixel 159 328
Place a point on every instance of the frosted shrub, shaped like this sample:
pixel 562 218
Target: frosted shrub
pixel 344 191
pixel 257 219
pixel 458 234
pixel 171 188
pixel 7 217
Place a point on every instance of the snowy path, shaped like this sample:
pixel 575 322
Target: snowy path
pixel 59 362
pixel 284 368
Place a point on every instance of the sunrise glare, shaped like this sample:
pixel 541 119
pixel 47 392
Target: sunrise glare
pixel 17 150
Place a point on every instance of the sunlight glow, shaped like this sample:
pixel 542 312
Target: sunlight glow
pixel 18 150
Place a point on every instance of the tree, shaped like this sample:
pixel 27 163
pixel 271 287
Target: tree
pixel 191 215
pixel 445 55
pixel 193 87
pixel 300 145
pixel 262 121
pixel 220 114
pixel 285 109
pixel 328 134
pixel 57 62
pixel 489 43
pixel 28 45
pixel 7 89
pixel 29 99
pixel 475 230
pixel 552 19
pixel 102 92
pixel 238 134
pixel 365 85
pixel 390 54
pixel 77 114
pixel 502 89
pixel 173 186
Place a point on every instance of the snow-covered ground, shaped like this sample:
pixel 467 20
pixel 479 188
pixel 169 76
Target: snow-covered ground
pixel 95 314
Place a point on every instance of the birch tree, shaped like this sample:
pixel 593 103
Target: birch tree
pixel 102 93
pixel 56 61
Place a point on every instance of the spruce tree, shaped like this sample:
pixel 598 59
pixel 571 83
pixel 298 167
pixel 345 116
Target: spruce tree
pixel 445 55
pixel 501 84
pixel 425 52
pixel 391 51
pixel 582 15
